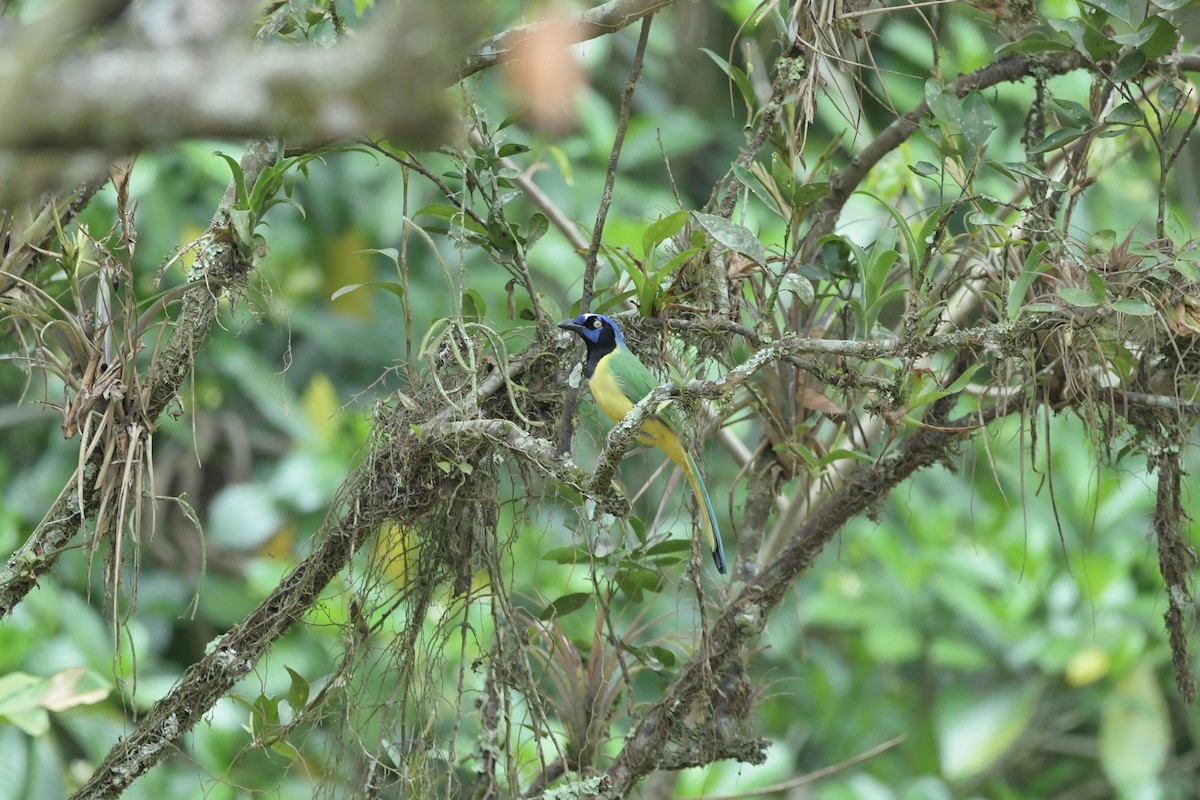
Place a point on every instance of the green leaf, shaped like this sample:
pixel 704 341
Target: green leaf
pixel 1163 40
pixel 1176 231
pixel 983 218
pixel 285 748
pixel 1117 8
pixel 915 247
pixel 1135 732
pixel 512 149
pixel 268 183
pixel 1035 265
pixel 665 656
pixel 962 380
pixel 239 179
pixel 668 546
pixel 244 222
pixel 1131 64
pixel 453 214
pixel 924 169
pixel 805 194
pixel 1059 138
pixel 538 225
pixel 677 261
pixel 1136 308
pixel 800 286
pixel 1078 297
pixel 20 703
pixel 842 454
pixel 297 696
pixel 1027 170
pixel 733 236
pixel 751 182
pixel 615 301
pixel 1125 114
pixel 1186 268
pixel 923 398
pixel 15 752
pixel 1087 40
pixel 1072 114
pixel 738 77
pixel 1096 284
pixel 1034 44
pixel 944 104
pixel 662 230
pixel 1143 34
pixel 266 710
pixel 565 605
pixel 474 307
pixel 782 174
pixel 500 235
pixel 974 730
pixel 1102 241
pixel 634 580
pixel 1169 95
pixel 977 120
pixel 568 555
pixel 391 286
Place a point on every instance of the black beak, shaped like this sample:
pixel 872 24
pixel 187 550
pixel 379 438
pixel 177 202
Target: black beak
pixel 571 325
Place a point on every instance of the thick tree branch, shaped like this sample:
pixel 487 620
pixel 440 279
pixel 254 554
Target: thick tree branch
pixel 843 184
pixel 236 653
pixel 124 99
pixel 997 338
pixel 734 633
pixel 1012 68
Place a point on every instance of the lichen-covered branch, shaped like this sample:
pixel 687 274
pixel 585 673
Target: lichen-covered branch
pixel 236 653
pixel 119 99
pixel 1177 564
pixel 707 686
pixel 1013 68
pixel 535 452
pixel 222 270
pixel 999 337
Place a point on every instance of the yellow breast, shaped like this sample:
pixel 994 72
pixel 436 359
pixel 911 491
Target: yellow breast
pixel 614 403
pixel 609 395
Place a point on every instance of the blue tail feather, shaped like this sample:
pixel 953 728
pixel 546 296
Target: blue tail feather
pixel 718 552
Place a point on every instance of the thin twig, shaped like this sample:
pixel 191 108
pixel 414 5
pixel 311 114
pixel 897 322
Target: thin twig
pixel 523 181
pixel 571 401
pixel 614 157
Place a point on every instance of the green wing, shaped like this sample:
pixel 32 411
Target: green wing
pixel 635 379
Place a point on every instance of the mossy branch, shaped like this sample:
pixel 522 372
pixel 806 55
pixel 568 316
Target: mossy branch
pixel 125 98
pixel 222 270
pixel 693 693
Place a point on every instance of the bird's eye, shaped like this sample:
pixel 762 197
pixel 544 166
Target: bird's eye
pixel 595 323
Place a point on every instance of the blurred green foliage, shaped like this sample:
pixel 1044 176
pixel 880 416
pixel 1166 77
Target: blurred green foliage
pixel 1007 626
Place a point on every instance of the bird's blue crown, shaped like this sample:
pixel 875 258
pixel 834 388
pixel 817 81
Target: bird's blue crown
pixel 593 325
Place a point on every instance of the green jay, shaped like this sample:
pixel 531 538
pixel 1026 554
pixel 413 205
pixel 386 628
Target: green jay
pixel 618 380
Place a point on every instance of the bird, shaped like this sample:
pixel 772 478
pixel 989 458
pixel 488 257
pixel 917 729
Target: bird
pixel 618 380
